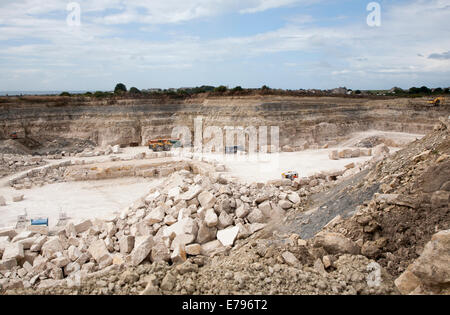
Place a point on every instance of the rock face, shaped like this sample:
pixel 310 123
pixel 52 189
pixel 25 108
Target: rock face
pixel 431 269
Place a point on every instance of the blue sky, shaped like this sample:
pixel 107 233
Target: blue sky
pixel 287 44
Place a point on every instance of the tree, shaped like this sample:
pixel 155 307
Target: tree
pixel 358 92
pixel 414 90
pixel 265 88
pixel 134 90
pixel 221 89
pixel 425 90
pixel 238 89
pixel 120 88
pixel 64 94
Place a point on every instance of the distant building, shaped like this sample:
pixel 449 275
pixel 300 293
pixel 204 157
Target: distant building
pixel 340 90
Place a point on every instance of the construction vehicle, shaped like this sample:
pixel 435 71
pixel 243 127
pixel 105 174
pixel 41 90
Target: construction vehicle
pixel 289 175
pixel 159 145
pixel 437 101
pixel 39 221
pixel 233 149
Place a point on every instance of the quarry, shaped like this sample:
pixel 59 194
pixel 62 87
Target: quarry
pixel 368 212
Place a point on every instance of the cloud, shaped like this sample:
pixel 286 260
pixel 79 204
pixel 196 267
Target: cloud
pixel 38 38
pixel 443 56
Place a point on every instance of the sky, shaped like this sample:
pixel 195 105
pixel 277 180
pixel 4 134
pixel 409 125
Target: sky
pixel 289 44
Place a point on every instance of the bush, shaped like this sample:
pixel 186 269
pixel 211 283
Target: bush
pixel 357 92
pixel 221 89
pixel 64 94
pixel 135 90
pixel 120 88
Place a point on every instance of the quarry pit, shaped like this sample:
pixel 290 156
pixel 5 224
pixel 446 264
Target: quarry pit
pixel 81 160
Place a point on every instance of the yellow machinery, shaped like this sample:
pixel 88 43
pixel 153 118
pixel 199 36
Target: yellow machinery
pixel 163 144
pixel 289 175
pixel 437 101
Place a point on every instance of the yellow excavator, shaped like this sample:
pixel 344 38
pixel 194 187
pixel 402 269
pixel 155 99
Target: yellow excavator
pixel 437 101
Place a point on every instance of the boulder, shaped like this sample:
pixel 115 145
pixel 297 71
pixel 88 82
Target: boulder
pixel 290 259
pixel 178 255
pixel 13 250
pixel 205 234
pixel 284 204
pixel 17 198
pixel 206 199
pixel 194 249
pixel 51 247
pixel 38 229
pixel 142 251
pixel 8 264
pixel 335 243
pixel 182 239
pixel 99 252
pixel 210 248
pixel 440 199
pixel 11 233
pixel 211 218
pixel 293 197
pixel 380 150
pixel 193 192
pixel 160 252
pixel 37 244
pixel 407 282
pixel 433 267
pixel 242 211
pixel 156 216
pixel 256 216
pixel 83 226
pixel 265 208
pixel 22 235
pixel 228 236
pixel 333 155
pixel 73 253
pixel 225 220
pixel 126 244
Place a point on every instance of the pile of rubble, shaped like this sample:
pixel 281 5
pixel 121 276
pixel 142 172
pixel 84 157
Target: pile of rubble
pixel 405 227
pixel 189 215
pixel 12 163
pixel 378 152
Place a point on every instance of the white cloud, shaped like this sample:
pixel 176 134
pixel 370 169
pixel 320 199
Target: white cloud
pixel 352 51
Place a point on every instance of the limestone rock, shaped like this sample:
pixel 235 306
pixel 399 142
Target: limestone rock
pixel 290 259
pixel 13 250
pixel 142 251
pixel 432 267
pixel 83 226
pixel 335 243
pixel 99 252
pixel 194 249
pixel 126 244
pixel 256 216
pixel 52 246
pixel 211 218
pixel 207 200
pixel 228 236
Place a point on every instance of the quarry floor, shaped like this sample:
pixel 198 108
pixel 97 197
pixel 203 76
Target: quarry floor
pixel 97 199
